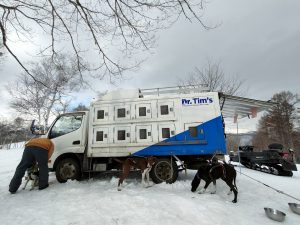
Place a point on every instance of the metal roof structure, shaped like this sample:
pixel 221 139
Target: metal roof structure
pixel 231 106
pixel 186 89
pixel 239 107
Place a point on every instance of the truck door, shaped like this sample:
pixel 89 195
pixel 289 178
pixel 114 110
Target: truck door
pixel 68 133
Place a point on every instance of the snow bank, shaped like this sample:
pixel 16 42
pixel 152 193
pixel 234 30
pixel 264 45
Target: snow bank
pixel 97 201
pixel 12 145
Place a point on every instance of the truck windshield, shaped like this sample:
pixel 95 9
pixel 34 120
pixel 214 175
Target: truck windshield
pixel 65 124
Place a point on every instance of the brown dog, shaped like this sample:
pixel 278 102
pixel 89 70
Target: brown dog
pixel 144 164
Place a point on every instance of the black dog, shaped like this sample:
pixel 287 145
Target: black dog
pixel 211 172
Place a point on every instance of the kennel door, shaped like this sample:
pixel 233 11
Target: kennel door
pixel 143 111
pixel 100 135
pixel 194 131
pixel 101 114
pixel 122 112
pixel 122 134
pixel 165 109
pixel 166 131
pixel 143 133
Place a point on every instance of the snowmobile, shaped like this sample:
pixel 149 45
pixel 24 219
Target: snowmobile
pixel 273 160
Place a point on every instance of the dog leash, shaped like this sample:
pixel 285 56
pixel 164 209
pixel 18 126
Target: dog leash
pixel 279 191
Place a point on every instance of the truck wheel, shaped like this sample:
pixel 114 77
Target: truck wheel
pixel 67 169
pixel 164 171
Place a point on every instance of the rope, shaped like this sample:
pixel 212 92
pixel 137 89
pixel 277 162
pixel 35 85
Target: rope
pixel 279 191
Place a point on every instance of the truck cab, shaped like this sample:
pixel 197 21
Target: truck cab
pixel 69 135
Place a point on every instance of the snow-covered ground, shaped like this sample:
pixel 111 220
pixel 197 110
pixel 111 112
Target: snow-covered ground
pixel 97 201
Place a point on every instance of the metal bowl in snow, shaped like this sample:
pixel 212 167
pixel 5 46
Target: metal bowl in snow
pixel 295 207
pixel 275 214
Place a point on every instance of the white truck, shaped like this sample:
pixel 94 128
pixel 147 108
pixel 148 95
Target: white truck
pixel 179 126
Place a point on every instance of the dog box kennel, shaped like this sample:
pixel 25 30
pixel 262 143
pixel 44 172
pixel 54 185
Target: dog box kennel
pixel 179 126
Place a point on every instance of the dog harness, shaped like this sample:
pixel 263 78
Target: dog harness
pixel 134 162
pixel 148 164
pixel 223 170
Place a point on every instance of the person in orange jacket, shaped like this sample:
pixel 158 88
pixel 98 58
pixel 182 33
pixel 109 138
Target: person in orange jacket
pixel 37 150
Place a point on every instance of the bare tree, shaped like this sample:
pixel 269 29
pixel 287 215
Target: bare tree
pixel 80 107
pixel 1 49
pixel 34 98
pixel 214 77
pixel 282 116
pixel 278 124
pixel 1 53
pixel 112 30
pixel 13 131
pixel 232 142
pixel 263 135
pixel 62 106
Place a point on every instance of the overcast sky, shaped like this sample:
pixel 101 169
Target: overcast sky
pixel 259 40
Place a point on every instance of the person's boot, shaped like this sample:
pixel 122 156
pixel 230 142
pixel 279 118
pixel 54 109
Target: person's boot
pixel 43 187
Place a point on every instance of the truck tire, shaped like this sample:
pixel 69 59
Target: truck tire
pixel 67 169
pixel 164 170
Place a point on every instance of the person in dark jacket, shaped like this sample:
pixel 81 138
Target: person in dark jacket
pixel 37 150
